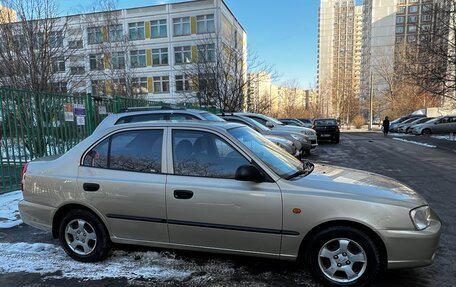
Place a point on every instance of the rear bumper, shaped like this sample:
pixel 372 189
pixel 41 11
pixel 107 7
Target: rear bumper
pixel 36 215
pixel 411 248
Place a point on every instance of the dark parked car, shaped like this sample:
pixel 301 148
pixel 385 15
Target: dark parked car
pixel 307 122
pixel 327 129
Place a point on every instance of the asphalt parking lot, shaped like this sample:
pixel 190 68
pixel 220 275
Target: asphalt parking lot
pixel 431 170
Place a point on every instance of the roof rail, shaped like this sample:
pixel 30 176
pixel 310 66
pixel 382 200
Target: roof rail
pixel 151 108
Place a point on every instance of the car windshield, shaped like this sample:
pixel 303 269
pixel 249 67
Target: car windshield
pixel 276 122
pixel 326 122
pixel 282 163
pixel 256 124
pixel 211 117
pixel 433 120
pixel 409 121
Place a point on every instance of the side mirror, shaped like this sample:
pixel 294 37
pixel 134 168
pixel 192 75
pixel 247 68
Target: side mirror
pixel 269 125
pixel 249 173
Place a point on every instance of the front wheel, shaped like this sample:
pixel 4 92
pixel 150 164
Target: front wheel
pixel 426 132
pixel 343 256
pixel 84 237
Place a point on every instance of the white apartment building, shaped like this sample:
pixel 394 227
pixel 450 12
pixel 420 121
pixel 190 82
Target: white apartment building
pixel 339 53
pixel 145 47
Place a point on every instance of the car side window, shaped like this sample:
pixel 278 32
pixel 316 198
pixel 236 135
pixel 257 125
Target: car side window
pixel 198 153
pixel 98 156
pixel 182 117
pixel 141 118
pixel 136 151
pixel 260 120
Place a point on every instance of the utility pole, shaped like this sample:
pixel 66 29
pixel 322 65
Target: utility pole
pixel 371 102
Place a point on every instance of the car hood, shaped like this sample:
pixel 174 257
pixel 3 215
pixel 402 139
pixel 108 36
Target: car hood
pixel 293 129
pixel 360 185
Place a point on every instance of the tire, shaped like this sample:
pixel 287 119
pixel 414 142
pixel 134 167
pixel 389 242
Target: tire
pixel 426 132
pixel 325 254
pixel 84 237
pixel 306 152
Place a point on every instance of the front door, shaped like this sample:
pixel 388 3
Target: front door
pixel 207 207
pixel 121 177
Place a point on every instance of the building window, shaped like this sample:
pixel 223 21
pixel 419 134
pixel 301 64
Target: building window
pixel 426 18
pixel 413 19
pixel 399 39
pixel 118 60
pixel 401 10
pixel 426 8
pixel 98 87
pixel 183 55
pixel 159 28
pixel 400 19
pixel 138 58
pixel 161 84
pixel 58 64
pixel 160 56
pixel 139 85
pixel 426 27
pixel 116 33
pixel 79 70
pixel 76 44
pixel 59 87
pixel 205 24
pixel 95 35
pixel 181 26
pixel 414 1
pixel 136 31
pixel 413 9
pixel 206 53
pixel 411 28
pixel 119 87
pixel 411 38
pixel 56 39
pixel 96 62
pixel 401 2
pixel 182 83
pixel 400 29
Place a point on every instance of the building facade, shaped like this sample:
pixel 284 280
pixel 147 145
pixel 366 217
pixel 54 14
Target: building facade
pixel 7 15
pixel 339 55
pixel 141 52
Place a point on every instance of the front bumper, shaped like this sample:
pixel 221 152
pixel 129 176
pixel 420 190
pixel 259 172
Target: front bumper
pixel 412 248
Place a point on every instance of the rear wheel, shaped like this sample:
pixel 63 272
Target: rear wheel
pixel 84 237
pixel 343 256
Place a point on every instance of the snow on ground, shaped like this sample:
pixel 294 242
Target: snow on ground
pixel 9 212
pixel 415 142
pixel 49 258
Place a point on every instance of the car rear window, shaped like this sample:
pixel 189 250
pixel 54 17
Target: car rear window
pixel 327 122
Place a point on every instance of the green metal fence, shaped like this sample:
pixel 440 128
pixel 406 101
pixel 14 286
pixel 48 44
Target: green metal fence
pixel 38 124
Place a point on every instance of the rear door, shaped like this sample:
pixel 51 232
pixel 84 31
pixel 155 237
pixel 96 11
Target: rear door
pixel 122 178
pixel 208 208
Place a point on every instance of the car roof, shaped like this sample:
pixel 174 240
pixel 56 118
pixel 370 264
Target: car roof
pixel 220 126
pixel 138 111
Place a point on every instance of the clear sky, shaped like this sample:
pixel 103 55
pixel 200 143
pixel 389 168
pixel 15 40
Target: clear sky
pixel 282 32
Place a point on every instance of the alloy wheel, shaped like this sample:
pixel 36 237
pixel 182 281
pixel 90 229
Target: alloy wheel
pixel 80 237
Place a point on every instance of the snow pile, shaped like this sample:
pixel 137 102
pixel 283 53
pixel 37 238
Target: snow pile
pixel 9 212
pixel 445 137
pixel 415 142
pixel 161 266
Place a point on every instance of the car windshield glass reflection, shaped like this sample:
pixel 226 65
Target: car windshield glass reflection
pixel 274 157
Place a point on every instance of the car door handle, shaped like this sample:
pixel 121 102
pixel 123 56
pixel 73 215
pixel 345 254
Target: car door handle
pixel 183 194
pixel 91 186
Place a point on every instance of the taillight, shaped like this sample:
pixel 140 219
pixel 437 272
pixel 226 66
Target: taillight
pixel 24 170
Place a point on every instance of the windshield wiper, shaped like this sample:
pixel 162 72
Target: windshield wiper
pixel 307 168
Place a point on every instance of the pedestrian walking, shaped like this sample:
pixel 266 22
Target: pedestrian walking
pixel 386 126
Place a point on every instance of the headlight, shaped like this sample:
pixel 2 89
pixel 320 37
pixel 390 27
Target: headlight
pixel 421 217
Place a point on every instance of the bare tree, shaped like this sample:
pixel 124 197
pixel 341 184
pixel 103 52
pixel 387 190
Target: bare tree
pixel 219 72
pixel 431 59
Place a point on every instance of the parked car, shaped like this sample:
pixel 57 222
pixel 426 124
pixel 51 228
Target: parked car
pixel 223 187
pixel 279 126
pixel 327 129
pixel 134 115
pixel 292 122
pixel 398 128
pixel 398 121
pixel 405 128
pixel 440 125
pixel 307 122
pixel 299 141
